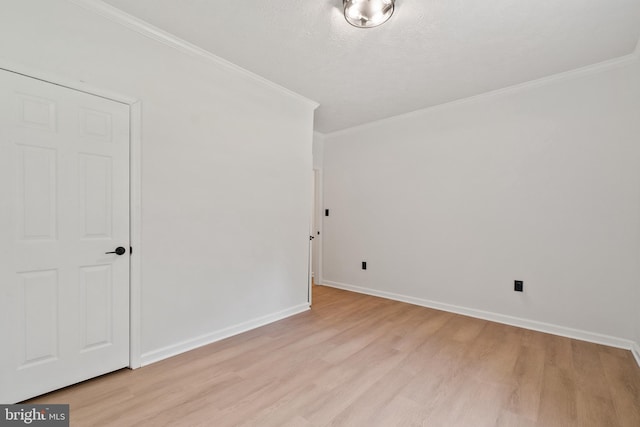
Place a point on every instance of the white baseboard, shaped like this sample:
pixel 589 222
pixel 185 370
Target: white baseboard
pixel 499 318
pixel 635 350
pixel 193 343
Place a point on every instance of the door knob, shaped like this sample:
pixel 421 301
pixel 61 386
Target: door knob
pixel 119 251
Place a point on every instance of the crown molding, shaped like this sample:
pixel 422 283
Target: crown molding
pixel 146 29
pixel 599 67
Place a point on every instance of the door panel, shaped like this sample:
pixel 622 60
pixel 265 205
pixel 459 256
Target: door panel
pixel 64 194
pixel 40 317
pixel 96 292
pixel 37 193
pixel 95 196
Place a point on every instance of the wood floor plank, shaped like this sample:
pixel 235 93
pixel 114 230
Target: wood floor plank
pixel 366 408
pixel 558 400
pixel 357 360
pixel 400 412
pixel 624 385
pixel 528 374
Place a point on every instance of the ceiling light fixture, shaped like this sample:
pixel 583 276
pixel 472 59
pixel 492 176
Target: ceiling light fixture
pixel 367 13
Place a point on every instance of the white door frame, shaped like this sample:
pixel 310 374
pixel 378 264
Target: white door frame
pixel 318 206
pixel 311 238
pixel 135 212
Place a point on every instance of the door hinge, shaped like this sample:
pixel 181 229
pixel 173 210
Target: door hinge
pixel 130 250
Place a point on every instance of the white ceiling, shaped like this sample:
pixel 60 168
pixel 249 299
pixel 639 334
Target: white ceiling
pixel 429 53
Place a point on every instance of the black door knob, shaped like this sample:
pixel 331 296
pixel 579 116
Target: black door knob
pixel 119 251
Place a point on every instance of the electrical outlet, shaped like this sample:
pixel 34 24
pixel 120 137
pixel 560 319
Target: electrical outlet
pixel 518 285
pixel 364 265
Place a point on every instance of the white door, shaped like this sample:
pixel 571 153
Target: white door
pixel 64 203
pixel 317 220
pixel 311 237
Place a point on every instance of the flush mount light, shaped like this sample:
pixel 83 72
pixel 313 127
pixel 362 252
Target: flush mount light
pixel 367 13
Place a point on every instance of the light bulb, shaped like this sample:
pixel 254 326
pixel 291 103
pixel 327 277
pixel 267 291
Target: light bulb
pixel 367 13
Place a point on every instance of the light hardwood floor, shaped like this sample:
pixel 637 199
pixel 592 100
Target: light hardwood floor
pixel 356 360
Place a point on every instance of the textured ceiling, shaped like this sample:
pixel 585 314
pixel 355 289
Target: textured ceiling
pixel 429 53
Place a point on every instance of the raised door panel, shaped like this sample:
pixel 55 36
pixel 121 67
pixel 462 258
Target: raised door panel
pixel 96 125
pixel 35 112
pixel 96 295
pixel 38 316
pixel 96 199
pixel 37 195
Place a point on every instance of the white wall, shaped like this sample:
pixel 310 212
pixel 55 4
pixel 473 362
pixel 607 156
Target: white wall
pixel 318 150
pixel 452 204
pixel 225 170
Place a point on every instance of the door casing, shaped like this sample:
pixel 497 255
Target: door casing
pixel 318 217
